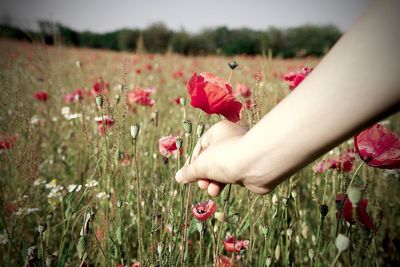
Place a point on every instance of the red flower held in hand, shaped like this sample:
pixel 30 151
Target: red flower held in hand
pixel 378 147
pixel 141 96
pixel 347 211
pixel 232 244
pixel 167 146
pixel 204 211
pixel 295 78
pixel 213 95
pixel 41 96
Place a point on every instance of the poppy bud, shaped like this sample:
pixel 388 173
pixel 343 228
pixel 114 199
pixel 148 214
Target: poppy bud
pixel 50 260
pixel 265 229
pixel 160 249
pixel 342 242
pixel 323 210
pixel 355 195
pixel 311 254
pixel 154 117
pixel 199 226
pixel 178 143
pixel 42 227
pixel 187 126
pixel 82 246
pixel 135 131
pixel 233 65
pixel 268 261
pixel 182 101
pixel 117 98
pixel 119 235
pixel 200 130
pixel 99 101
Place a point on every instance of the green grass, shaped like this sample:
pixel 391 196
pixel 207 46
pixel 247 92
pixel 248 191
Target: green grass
pixel 143 198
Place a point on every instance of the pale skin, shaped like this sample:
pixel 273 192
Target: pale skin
pixel 355 85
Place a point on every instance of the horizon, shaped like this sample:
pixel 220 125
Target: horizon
pixel 139 14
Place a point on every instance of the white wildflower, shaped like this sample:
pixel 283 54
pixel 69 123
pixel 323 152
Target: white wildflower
pixel 91 183
pixel 74 187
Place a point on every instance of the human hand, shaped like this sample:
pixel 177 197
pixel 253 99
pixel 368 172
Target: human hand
pixel 218 160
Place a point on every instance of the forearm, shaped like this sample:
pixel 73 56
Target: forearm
pixel 356 84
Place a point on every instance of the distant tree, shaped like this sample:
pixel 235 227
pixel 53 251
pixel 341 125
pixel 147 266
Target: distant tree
pixel 157 37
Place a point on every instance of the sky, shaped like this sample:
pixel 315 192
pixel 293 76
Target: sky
pixel 191 15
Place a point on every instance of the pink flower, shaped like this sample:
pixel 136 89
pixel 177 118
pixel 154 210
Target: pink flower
pixel 295 78
pixel 167 146
pixel 224 261
pixel 231 244
pixel 141 96
pixel 103 123
pixel 343 162
pixel 243 91
pixel 204 211
pixel 100 87
pixel 41 96
pixel 378 147
pixel 74 96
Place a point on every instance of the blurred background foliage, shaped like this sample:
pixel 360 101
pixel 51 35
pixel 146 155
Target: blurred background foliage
pixel 302 41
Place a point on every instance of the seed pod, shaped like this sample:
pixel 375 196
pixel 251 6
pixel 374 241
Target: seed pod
pixel 342 242
pixel 199 226
pixel 42 227
pixel 200 130
pixel 323 210
pixel 187 126
pixel 311 254
pixel 82 246
pixel 135 131
pixel 355 194
pixel 233 64
pixel 51 260
pixel 99 101
pixel 160 249
pixel 268 261
pixel 117 98
pixel 182 101
pixel 179 143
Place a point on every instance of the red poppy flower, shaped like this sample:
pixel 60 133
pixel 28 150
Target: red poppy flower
pixel 295 78
pixel 177 100
pixel 347 211
pixel 135 264
pixel 102 123
pixel 203 211
pixel 343 162
pixel 74 96
pixel 214 96
pixel 242 90
pixel 7 142
pixel 177 74
pixel 119 265
pixel 100 87
pixel 41 96
pixel 224 261
pixel 232 244
pixel 141 96
pixel 167 146
pixel 378 147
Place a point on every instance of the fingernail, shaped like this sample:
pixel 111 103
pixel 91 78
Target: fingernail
pixel 179 176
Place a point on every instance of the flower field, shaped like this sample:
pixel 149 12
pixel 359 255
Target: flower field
pixel 90 141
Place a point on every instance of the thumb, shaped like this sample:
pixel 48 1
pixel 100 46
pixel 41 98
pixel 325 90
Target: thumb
pixel 191 172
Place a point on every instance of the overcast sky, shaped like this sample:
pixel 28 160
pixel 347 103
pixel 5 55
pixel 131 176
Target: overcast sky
pixel 192 15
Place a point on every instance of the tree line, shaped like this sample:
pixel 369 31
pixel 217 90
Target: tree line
pixel 306 40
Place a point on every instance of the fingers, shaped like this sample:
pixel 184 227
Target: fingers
pixel 203 184
pixel 191 172
pixel 215 188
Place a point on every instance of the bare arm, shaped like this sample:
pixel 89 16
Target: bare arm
pixel 356 84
